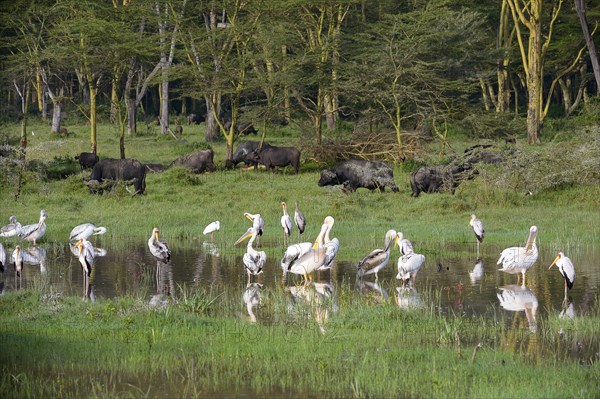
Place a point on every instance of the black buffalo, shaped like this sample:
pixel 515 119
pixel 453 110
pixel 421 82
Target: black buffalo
pixel 356 173
pixel 195 119
pixel 272 156
pixel 440 178
pixel 197 162
pixel 241 128
pixel 130 171
pixel 245 153
pixel 87 160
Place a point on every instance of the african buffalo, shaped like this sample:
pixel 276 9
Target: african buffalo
pixel 245 153
pixel 130 171
pixel 272 156
pixel 87 160
pixel 194 118
pixel 435 179
pixel 244 128
pixel 197 162
pixel 356 173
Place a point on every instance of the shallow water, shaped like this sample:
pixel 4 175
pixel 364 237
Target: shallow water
pixel 453 274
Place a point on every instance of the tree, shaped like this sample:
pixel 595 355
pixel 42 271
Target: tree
pixel 580 8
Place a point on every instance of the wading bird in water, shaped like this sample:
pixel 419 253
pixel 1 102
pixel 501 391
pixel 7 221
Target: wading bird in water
pixel 254 260
pixel 409 262
pixel 211 228
pixel 17 257
pixel 85 230
pixel 378 258
pixel 33 232
pixel 313 259
pixel 257 222
pixel 300 221
pixel 12 229
pixel 86 254
pixel 286 223
pixel 478 229
pixel 517 260
pixel 565 267
pixel 158 248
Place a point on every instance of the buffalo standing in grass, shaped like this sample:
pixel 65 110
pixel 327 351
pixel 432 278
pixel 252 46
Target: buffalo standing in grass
pixel 197 162
pixel 245 153
pixel 87 160
pixel 356 173
pixel 272 156
pixel 130 171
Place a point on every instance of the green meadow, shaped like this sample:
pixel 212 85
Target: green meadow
pixel 59 346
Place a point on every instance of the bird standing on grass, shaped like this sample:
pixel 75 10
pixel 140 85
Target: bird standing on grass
pixel 300 221
pixel 33 232
pixel 286 223
pixel 517 260
pixel 12 229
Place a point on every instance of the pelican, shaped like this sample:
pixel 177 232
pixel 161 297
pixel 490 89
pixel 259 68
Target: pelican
pixel 516 260
pixel 17 258
pixel 86 259
pixel 211 228
pixel 409 262
pixel 257 222
pixel 85 230
pixel 331 245
pixel 33 232
pixel 286 222
pixel 12 229
pixel 292 253
pixel 378 258
pixel 477 273
pixel 251 298
pixel 516 298
pixel 253 260
pixel 2 258
pixel 158 248
pixel 300 221
pixel 311 260
pixel 478 229
pixel 565 267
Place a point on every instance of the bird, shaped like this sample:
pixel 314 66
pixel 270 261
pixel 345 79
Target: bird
pixel 257 222
pixel 2 258
pixel 565 267
pixel 378 258
pixel 85 230
pixel 332 246
pixel 311 260
pixel 17 258
pixel 254 260
pixel 286 222
pixel 158 248
pixel 251 298
pixel 86 254
pixel 516 260
pixel 12 229
pixel 300 221
pixel 33 232
pixel 409 262
pixel 292 253
pixel 211 228
pixel 478 229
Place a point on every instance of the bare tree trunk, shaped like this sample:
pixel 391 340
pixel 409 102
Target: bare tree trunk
pixel 93 94
pixel 580 8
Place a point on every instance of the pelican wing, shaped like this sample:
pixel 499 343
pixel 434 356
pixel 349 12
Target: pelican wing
pixel 309 262
pixel 514 259
pixel 409 264
pixel 331 250
pixel 376 258
pixel 28 230
pixel 293 252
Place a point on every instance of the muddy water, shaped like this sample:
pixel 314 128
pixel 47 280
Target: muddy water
pixel 461 282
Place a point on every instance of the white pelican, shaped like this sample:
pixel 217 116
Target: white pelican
pixel 477 273
pixel 565 267
pixel 158 248
pixel 33 232
pixel 253 260
pixel 516 260
pixel 478 229
pixel 332 246
pixel 17 258
pixel 86 259
pixel 286 222
pixel 251 298
pixel 12 229
pixel 409 262
pixel 516 298
pixel 85 230
pixel 378 258
pixel 211 228
pixel 311 260
pixel 257 222
pixel 2 258
pixel 292 253
pixel 300 221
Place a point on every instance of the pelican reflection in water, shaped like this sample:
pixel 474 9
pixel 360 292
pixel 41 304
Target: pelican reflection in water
pixel 372 290
pixel 477 273
pixel 516 298
pixel 251 298
pixel 316 300
pixel 408 298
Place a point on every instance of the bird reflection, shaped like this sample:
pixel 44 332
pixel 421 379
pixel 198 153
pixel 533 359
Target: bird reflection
pixel 211 248
pixel 568 311
pixel 477 273
pixel 165 285
pixel 251 298
pixel 86 256
pixel 35 256
pixel 372 290
pixel 516 298
pixel 2 258
pixel 408 298
pixel 319 297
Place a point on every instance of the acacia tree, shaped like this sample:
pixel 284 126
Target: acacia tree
pixel 581 13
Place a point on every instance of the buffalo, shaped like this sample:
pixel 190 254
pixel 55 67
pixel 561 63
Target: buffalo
pixel 194 119
pixel 241 128
pixel 355 173
pixel 440 178
pixel 272 156
pixel 197 162
pixel 87 160
pixel 245 153
pixel 131 171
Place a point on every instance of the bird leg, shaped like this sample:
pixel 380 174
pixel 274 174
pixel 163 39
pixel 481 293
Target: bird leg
pixel 305 280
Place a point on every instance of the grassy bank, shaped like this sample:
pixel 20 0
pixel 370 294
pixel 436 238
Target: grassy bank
pixel 55 346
